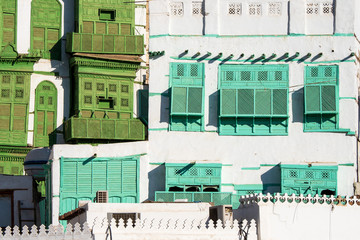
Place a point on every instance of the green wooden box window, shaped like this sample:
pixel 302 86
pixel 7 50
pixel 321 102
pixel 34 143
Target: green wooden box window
pixel 253 100
pixel 193 177
pixel 187 94
pixel 321 98
pixel 309 179
pixel 80 179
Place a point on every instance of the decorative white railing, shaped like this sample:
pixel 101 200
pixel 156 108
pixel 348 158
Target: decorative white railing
pixel 146 229
pixel 285 198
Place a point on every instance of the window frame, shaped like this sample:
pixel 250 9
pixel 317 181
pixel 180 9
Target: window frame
pixel 188 82
pixel 321 114
pixel 253 123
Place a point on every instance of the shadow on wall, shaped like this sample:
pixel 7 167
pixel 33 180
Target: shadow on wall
pixel 165 106
pixel 156 181
pixel 213 109
pixel 271 180
pixel 298 105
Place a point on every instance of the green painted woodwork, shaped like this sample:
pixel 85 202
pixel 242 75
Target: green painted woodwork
pixel 105 26
pixel 321 98
pixel 143 100
pixel 218 198
pixel 14 102
pixel 104 43
pixel 181 175
pixel 247 189
pixel 12 160
pixel 8 22
pixel 46 28
pixel 253 99
pixel 187 94
pixel 308 179
pixel 80 179
pixel 103 102
pixel 105 16
pixel 45 114
pixel 109 130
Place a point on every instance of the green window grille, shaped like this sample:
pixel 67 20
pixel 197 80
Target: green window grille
pixel 187 94
pixel 321 98
pixel 305 179
pixel 253 100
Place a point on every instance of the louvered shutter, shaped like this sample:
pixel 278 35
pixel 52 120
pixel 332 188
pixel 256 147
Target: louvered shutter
pixel 328 98
pixel 129 170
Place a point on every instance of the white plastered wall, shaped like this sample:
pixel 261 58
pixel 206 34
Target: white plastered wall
pixel 239 153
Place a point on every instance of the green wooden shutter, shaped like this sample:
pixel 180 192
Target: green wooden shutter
pixel 129 171
pixel 99 176
pixel 312 98
pixel 194 100
pixel 246 101
pixel 280 101
pixel 228 101
pixel 8 28
pixel 328 98
pixel 262 102
pixel 178 100
pixel 115 176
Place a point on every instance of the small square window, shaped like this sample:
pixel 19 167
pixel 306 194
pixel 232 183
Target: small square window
pixel 234 8
pixel 197 8
pixel 107 15
pixel 255 9
pixel 176 9
pixel 275 9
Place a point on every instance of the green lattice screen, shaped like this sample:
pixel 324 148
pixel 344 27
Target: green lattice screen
pixel 101 97
pixel 253 99
pixel 321 98
pixel 46 28
pixel 14 100
pixel 187 93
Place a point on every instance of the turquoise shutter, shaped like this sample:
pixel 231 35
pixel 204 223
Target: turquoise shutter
pixel 69 176
pixel 178 100
pixel 328 98
pixel 312 99
pixel 246 101
pixel 228 101
pixel 262 102
pixel 194 100
pixel 129 171
pixel 114 177
pixel 99 176
pixel 84 177
pixel 280 101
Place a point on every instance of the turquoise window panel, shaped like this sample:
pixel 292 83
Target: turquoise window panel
pixel 305 179
pixel 253 99
pixel 218 198
pixel 192 174
pixel 187 94
pixel 80 179
pixel 321 98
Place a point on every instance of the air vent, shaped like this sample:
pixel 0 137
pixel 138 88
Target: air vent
pixel 102 196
